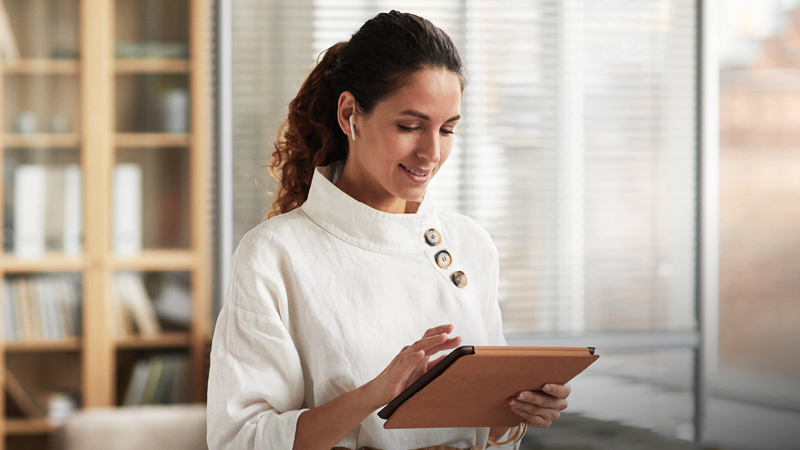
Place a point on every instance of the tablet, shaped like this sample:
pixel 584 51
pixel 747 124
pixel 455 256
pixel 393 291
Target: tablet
pixel 471 386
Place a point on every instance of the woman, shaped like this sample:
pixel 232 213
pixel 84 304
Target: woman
pixel 342 298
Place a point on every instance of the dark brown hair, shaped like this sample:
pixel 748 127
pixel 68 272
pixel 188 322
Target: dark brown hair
pixel 379 59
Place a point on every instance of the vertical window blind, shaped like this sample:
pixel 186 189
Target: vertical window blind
pixel 576 150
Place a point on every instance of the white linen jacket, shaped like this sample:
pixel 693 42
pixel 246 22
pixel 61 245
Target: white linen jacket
pixel 322 298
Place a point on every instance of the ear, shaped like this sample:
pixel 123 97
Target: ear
pixel 346 108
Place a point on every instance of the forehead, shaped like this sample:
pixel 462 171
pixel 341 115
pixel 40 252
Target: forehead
pixel 433 92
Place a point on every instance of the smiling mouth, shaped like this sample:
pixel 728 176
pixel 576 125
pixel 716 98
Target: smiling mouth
pixel 414 172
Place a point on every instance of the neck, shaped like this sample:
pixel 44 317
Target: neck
pixel 374 198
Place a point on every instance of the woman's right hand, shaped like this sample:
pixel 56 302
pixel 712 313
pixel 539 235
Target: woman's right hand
pixel 322 427
pixel 411 363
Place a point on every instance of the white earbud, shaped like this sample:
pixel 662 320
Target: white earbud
pixel 352 128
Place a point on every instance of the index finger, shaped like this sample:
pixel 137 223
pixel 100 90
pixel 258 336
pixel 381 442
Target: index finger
pixel 447 328
pixel 433 344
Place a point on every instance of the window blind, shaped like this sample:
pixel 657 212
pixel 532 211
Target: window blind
pixel 576 150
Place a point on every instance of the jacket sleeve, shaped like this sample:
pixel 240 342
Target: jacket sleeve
pixel 255 386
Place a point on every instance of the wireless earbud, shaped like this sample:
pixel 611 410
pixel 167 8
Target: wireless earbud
pixel 352 128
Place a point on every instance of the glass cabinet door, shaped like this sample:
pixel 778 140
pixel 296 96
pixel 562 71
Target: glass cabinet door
pixel 153 201
pixel 152 123
pixel 40 88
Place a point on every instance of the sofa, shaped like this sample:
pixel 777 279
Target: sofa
pixel 157 427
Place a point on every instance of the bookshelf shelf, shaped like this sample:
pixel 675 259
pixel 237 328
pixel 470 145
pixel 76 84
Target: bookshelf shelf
pixel 50 262
pixel 164 340
pixel 90 86
pixel 152 65
pixel 42 66
pixel 157 260
pixel 20 427
pixel 39 140
pixel 147 140
pixel 67 344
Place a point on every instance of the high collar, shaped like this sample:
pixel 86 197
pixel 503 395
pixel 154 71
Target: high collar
pixel 362 225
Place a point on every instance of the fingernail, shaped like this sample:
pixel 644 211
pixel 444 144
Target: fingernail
pixel 513 403
pixel 547 388
pixel 521 396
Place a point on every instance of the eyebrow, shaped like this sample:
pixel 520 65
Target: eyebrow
pixel 411 112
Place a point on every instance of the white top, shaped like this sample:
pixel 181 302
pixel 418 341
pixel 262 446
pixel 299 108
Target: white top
pixel 323 297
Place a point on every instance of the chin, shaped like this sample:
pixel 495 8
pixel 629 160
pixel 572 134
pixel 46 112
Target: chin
pixel 411 193
pixel 414 197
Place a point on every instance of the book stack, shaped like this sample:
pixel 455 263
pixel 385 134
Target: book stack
pixel 47 210
pixel 44 307
pixel 134 313
pixel 158 380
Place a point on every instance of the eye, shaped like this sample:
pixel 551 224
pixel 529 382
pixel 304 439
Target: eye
pixel 447 132
pixel 407 129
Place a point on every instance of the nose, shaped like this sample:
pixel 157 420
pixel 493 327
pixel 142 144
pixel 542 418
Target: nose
pixel 429 147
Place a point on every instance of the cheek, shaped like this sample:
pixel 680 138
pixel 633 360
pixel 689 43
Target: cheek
pixel 398 147
pixel 445 150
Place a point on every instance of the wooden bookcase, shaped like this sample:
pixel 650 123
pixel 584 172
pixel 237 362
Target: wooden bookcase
pixel 94 84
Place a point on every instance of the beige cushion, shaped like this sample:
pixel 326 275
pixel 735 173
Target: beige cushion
pixel 167 427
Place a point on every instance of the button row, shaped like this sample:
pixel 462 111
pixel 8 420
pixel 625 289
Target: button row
pixel 444 259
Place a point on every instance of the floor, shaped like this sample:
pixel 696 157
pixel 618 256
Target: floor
pixel 660 418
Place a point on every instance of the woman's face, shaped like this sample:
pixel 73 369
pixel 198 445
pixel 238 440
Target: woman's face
pixel 403 142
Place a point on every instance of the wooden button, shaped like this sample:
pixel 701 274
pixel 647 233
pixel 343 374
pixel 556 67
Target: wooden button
pixel 459 279
pixel 443 259
pixel 432 237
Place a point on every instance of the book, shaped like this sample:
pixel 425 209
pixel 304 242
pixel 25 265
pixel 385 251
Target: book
pixel 121 319
pixel 472 385
pixel 133 395
pixel 26 402
pixel 73 211
pixel 20 309
pixel 8 43
pixel 9 313
pixel 155 371
pixel 163 390
pixel 54 207
pixel 132 296
pixel 179 389
pixel 47 316
pixel 127 209
pixel 143 309
pixel 56 321
pixel 35 309
pixel 69 295
pixel 29 210
pixel 26 312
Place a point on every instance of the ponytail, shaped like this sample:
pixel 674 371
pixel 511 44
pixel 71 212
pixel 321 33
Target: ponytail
pixel 309 136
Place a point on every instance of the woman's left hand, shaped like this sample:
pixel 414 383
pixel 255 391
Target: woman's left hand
pixel 541 409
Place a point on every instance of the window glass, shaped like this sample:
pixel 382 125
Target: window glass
pixel 759 116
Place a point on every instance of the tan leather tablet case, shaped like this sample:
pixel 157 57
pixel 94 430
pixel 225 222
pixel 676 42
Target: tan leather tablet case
pixel 474 390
